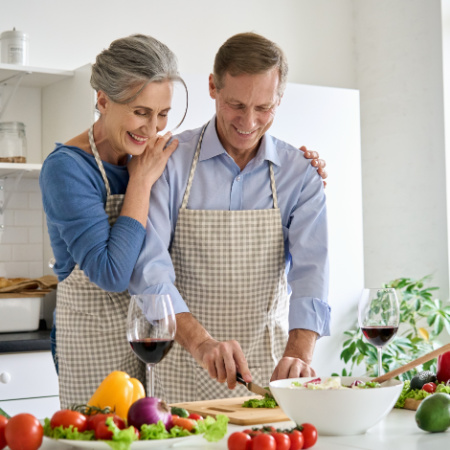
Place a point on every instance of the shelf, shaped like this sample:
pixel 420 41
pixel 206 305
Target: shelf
pixel 12 169
pixel 35 76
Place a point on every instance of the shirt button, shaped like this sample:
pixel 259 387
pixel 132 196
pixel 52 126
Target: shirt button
pixel 238 178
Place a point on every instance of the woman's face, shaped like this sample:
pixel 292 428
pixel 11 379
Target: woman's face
pixel 129 126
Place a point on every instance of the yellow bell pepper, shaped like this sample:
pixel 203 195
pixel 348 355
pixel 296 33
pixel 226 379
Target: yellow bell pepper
pixel 118 391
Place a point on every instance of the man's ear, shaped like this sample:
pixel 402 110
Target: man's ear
pixel 212 87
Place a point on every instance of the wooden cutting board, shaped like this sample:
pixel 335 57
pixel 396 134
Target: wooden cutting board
pixel 232 407
pixel 412 404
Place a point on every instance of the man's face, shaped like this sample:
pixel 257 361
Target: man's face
pixel 245 109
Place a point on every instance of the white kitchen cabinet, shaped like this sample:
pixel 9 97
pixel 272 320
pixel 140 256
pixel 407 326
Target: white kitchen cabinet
pixel 54 105
pixel 28 383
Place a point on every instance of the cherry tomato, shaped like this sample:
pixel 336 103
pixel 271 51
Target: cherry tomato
pixel 182 422
pixel 67 417
pixel 252 433
pixel 429 387
pixel 264 441
pixel 24 432
pixel 282 440
pixel 103 432
pixel 3 422
pixel 309 435
pixel 239 441
pixel 297 440
pixel 194 416
pixel 95 419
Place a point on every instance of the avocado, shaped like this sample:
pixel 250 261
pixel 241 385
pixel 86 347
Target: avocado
pixel 433 413
pixel 424 377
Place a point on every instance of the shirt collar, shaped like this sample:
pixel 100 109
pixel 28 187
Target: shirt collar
pixel 212 147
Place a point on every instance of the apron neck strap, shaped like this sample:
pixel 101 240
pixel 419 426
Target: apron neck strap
pixel 187 192
pixel 98 159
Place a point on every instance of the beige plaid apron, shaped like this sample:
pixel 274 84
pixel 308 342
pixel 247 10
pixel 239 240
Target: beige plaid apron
pixel 91 325
pixel 230 270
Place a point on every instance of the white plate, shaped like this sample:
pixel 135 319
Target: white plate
pixel 156 443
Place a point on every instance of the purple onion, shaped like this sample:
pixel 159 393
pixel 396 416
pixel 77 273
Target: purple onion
pixel 149 410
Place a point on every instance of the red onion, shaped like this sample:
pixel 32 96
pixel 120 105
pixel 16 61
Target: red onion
pixel 149 410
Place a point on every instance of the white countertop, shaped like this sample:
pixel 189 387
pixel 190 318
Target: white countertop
pixel 398 431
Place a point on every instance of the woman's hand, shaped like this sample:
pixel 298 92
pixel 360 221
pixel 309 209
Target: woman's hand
pixel 316 162
pixel 151 163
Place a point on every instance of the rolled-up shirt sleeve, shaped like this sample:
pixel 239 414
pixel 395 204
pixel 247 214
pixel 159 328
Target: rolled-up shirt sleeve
pixel 154 272
pixel 307 242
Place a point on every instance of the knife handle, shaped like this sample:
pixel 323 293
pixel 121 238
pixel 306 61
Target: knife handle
pixel 239 379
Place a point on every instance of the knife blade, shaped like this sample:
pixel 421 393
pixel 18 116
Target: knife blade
pixel 252 387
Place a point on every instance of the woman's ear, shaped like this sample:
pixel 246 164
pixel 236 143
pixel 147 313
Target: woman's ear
pixel 102 102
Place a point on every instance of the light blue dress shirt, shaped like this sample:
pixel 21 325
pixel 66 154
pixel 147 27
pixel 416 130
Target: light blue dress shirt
pixel 219 184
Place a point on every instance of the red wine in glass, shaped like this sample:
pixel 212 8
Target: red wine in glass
pixel 151 350
pixel 379 336
pixel 379 318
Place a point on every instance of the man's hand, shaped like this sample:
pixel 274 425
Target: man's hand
pixel 297 356
pixel 289 367
pixel 316 162
pixel 221 359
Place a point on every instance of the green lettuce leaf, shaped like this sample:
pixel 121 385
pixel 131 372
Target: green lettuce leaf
pixel 214 430
pixel 121 439
pixel 417 394
pixel 66 433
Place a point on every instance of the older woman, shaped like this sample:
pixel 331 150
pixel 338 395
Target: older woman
pixel 96 199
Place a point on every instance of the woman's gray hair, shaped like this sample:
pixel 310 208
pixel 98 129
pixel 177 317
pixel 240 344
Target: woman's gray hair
pixel 124 69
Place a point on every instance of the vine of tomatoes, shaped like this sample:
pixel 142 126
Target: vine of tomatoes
pixel 270 438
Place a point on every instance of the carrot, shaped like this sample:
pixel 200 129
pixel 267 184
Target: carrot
pixel 187 424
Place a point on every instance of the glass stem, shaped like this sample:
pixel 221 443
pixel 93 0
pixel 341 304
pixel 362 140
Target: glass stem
pixel 379 361
pixel 151 381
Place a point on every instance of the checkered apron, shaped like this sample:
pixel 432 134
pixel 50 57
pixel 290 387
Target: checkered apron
pixel 91 325
pixel 230 270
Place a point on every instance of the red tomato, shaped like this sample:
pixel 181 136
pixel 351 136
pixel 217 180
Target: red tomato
pixel 282 440
pixel 309 435
pixel 67 417
pixel 3 422
pixel 102 431
pixel 194 416
pixel 239 441
pixel 297 441
pixel 252 433
pixel 24 432
pixel 94 420
pixel 429 387
pixel 264 442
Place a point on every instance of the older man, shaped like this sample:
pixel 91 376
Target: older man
pixel 235 211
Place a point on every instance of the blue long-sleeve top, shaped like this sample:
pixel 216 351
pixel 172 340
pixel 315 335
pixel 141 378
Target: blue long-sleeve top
pixel 219 184
pixel 74 197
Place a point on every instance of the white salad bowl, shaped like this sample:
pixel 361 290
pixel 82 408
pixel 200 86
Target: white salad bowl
pixel 336 412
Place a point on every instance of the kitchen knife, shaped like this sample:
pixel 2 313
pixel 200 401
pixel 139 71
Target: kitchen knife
pixel 252 387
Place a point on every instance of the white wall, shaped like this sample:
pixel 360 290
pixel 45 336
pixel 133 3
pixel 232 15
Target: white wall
pixel 399 74
pixel 69 34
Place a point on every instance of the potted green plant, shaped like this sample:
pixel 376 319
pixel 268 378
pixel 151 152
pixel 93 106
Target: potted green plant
pixel 422 320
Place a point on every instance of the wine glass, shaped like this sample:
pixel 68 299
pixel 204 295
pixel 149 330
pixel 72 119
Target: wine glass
pixel 151 327
pixel 379 317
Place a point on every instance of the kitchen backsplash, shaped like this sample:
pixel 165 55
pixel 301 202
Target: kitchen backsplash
pixel 21 238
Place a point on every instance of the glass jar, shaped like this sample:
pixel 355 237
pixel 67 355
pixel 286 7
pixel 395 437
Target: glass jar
pixel 13 143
